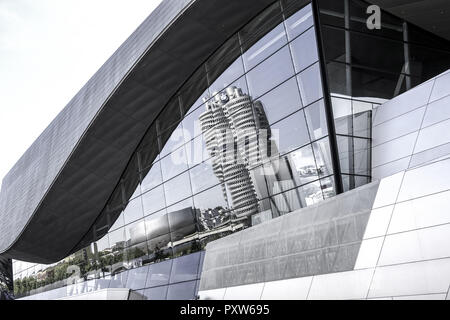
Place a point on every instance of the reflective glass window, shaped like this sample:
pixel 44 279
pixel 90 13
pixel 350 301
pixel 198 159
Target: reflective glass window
pixel 203 177
pixel 182 291
pixel 178 188
pixel 133 211
pixel 153 200
pixel 304 50
pixel 290 133
pixel 119 280
pixel 174 164
pixel 299 21
pixel 196 151
pixel 322 153
pixel 137 278
pixel 158 293
pixel 271 72
pixel 231 74
pixel 281 101
pixel 220 64
pixel 185 268
pixel 334 43
pixel 267 45
pixel 212 202
pixel 310 84
pixel 151 177
pixel 303 165
pixel 192 125
pixel 175 141
pixel 316 119
pixel 260 26
pixel 135 233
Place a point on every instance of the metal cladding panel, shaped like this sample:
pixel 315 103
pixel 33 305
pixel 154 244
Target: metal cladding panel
pixel 54 193
pixel 319 239
pixel 412 129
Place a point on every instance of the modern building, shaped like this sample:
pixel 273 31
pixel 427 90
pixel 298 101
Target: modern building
pixel 245 149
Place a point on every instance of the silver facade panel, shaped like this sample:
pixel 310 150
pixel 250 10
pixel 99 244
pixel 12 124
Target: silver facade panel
pixel 320 239
pixel 65 178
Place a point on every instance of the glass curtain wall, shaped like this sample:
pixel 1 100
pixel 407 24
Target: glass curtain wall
pixel 368 67
pixel 243 141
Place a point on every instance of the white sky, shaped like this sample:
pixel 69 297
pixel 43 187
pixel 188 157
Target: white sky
pixel 48 50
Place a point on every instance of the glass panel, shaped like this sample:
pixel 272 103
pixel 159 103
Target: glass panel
pixel 260 26
pixel 187 203
pixel 303 165
pixel 291 132
pixel 328 187
pixel 119 280
pixel 368 51
pixel 362 156
pixel 118 223
pixel 312 193
pixel 133 211
pixel 304 50
pixel 178 189
pixel 323 157
pixel 158 293
pixel 316 119
pixel 153 200
pixel 310 84
pixel 334 44
pixel 158 236
pixel 182 224
pixel 137 278
pixel 362 120
pixel 174 164
pixel 332 12
pixel 135 233
pixel 338 79
pixel 221 61
pixel 192 125
pixel 212 207
pixel 281 101
pixel 271 42
pixel 193 91
pixel 196 151
pixel 117 239
pixel 185 268
pixel 299 22
pixel 152 177
pixel 271 72
pixel 175 141
pixel 376 84
pixel 233 72
pixel 354 155
pixel 182 291
pixel 203 177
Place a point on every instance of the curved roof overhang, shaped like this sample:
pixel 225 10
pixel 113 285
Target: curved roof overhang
pixel 59 187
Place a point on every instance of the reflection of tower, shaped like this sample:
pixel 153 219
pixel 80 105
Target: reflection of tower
pixel 231 140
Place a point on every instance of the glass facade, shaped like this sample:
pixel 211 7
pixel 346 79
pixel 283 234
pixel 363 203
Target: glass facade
pixel 368 67
pixel 246 139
